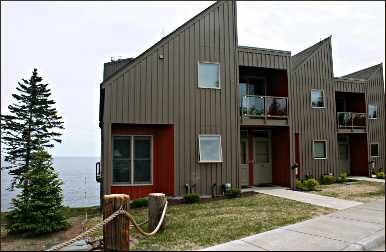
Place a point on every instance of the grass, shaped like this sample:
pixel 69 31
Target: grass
pixel 195 226
pixel 79 211
pixel 362 191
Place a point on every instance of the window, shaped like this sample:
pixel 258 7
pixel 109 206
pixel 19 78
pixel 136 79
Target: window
pixel 372 111
pixel 320 149
pixel 210 148
pixel 132 159
pixel 317 98
pixel 374 150
pixel 209 75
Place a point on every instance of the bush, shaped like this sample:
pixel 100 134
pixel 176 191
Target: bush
pixel 233 193
pixel 299 185
pixel 310 184
pixel 342 177
pixel 139 203
pixel 380 175
pixel 191 198
pixel 328 179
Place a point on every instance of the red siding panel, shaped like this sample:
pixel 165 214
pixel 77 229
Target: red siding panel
pixel 281 157
pixel 163 159
pixel 359 155
pixel 250 156
pixel 297 151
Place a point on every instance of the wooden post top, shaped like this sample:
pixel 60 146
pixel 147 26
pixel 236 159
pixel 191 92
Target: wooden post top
pixel 157 194
pixel 116 196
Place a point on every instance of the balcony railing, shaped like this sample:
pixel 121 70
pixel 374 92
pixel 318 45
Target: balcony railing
pixel 264 106
pixel 351 120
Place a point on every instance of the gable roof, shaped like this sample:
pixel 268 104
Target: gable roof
pixel 134 60
pixel 299 58
pixel 364 74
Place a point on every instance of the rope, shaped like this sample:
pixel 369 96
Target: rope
pixel 128 215
pixel 107 220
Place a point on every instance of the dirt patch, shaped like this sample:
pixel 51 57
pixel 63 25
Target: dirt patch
pixel 19 242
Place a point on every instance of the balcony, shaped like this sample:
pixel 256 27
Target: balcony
pixel 261 109
pixel 351 121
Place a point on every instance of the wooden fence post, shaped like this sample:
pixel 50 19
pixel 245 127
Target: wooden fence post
pixel 157 203
pixel 116 233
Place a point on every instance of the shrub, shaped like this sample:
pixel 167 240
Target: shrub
pixel 328 179
pixel 233 193
pixel 139 203
pixel 299 185
pixel 191 198
pixel 310 184
pixel 380 175
pixel 342 177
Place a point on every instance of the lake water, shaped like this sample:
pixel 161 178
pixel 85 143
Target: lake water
pixel 78 174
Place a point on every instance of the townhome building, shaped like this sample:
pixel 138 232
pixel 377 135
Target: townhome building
pixel 197 111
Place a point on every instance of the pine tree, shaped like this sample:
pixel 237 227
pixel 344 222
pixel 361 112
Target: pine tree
pixel 38 208
pixel 32 124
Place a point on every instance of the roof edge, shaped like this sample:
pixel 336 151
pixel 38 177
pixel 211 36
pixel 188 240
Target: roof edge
pixel 260 49
pixel 162 40
pixel 375 67
pixel 320 43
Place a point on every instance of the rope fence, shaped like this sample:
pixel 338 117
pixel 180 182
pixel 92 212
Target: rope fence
pixel 109 219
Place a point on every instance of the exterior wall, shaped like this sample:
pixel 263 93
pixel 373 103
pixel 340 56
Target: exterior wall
pixel 376 128
pixel 162 159
pixel 152 91
pixel 316 72
pixel 258 57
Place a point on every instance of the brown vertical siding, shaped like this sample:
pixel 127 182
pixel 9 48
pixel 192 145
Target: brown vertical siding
pixel 154 91
pixel 261 57
pixel 376 127
pixel 373 89
pixel 316 72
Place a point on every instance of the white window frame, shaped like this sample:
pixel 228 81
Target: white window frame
pixel 324 98
pixel 198 74
pixel 199 149
pixel 313 148
pixel 376 109
pixel 377 144
pixel 132 162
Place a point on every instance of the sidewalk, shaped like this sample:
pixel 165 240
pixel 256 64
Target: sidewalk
pixel 366 179
pixel 357 228
pixel 305 197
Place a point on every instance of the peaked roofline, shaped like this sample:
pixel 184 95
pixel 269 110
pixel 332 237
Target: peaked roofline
pixel 161 41
pixel 363 74
pixel 302 56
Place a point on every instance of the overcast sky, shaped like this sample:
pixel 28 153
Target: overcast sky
pixel 69 42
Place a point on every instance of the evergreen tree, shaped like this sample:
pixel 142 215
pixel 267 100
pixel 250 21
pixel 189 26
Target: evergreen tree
pixel 32 124
pixel 38 208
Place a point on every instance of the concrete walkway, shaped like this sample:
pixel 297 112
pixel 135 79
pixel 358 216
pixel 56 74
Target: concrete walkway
pixel 358 228
pixel 304 197
pixel 366 179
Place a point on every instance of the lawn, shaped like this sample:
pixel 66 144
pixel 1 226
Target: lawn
pixel 361 191
pixel 196 226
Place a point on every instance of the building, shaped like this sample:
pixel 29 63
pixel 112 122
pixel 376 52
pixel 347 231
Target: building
pixel 196 111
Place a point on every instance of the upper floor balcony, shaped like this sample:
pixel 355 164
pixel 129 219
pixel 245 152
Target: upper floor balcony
pixel 351 120
pixel 264 106
pixel 351 114
pixel 263 96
